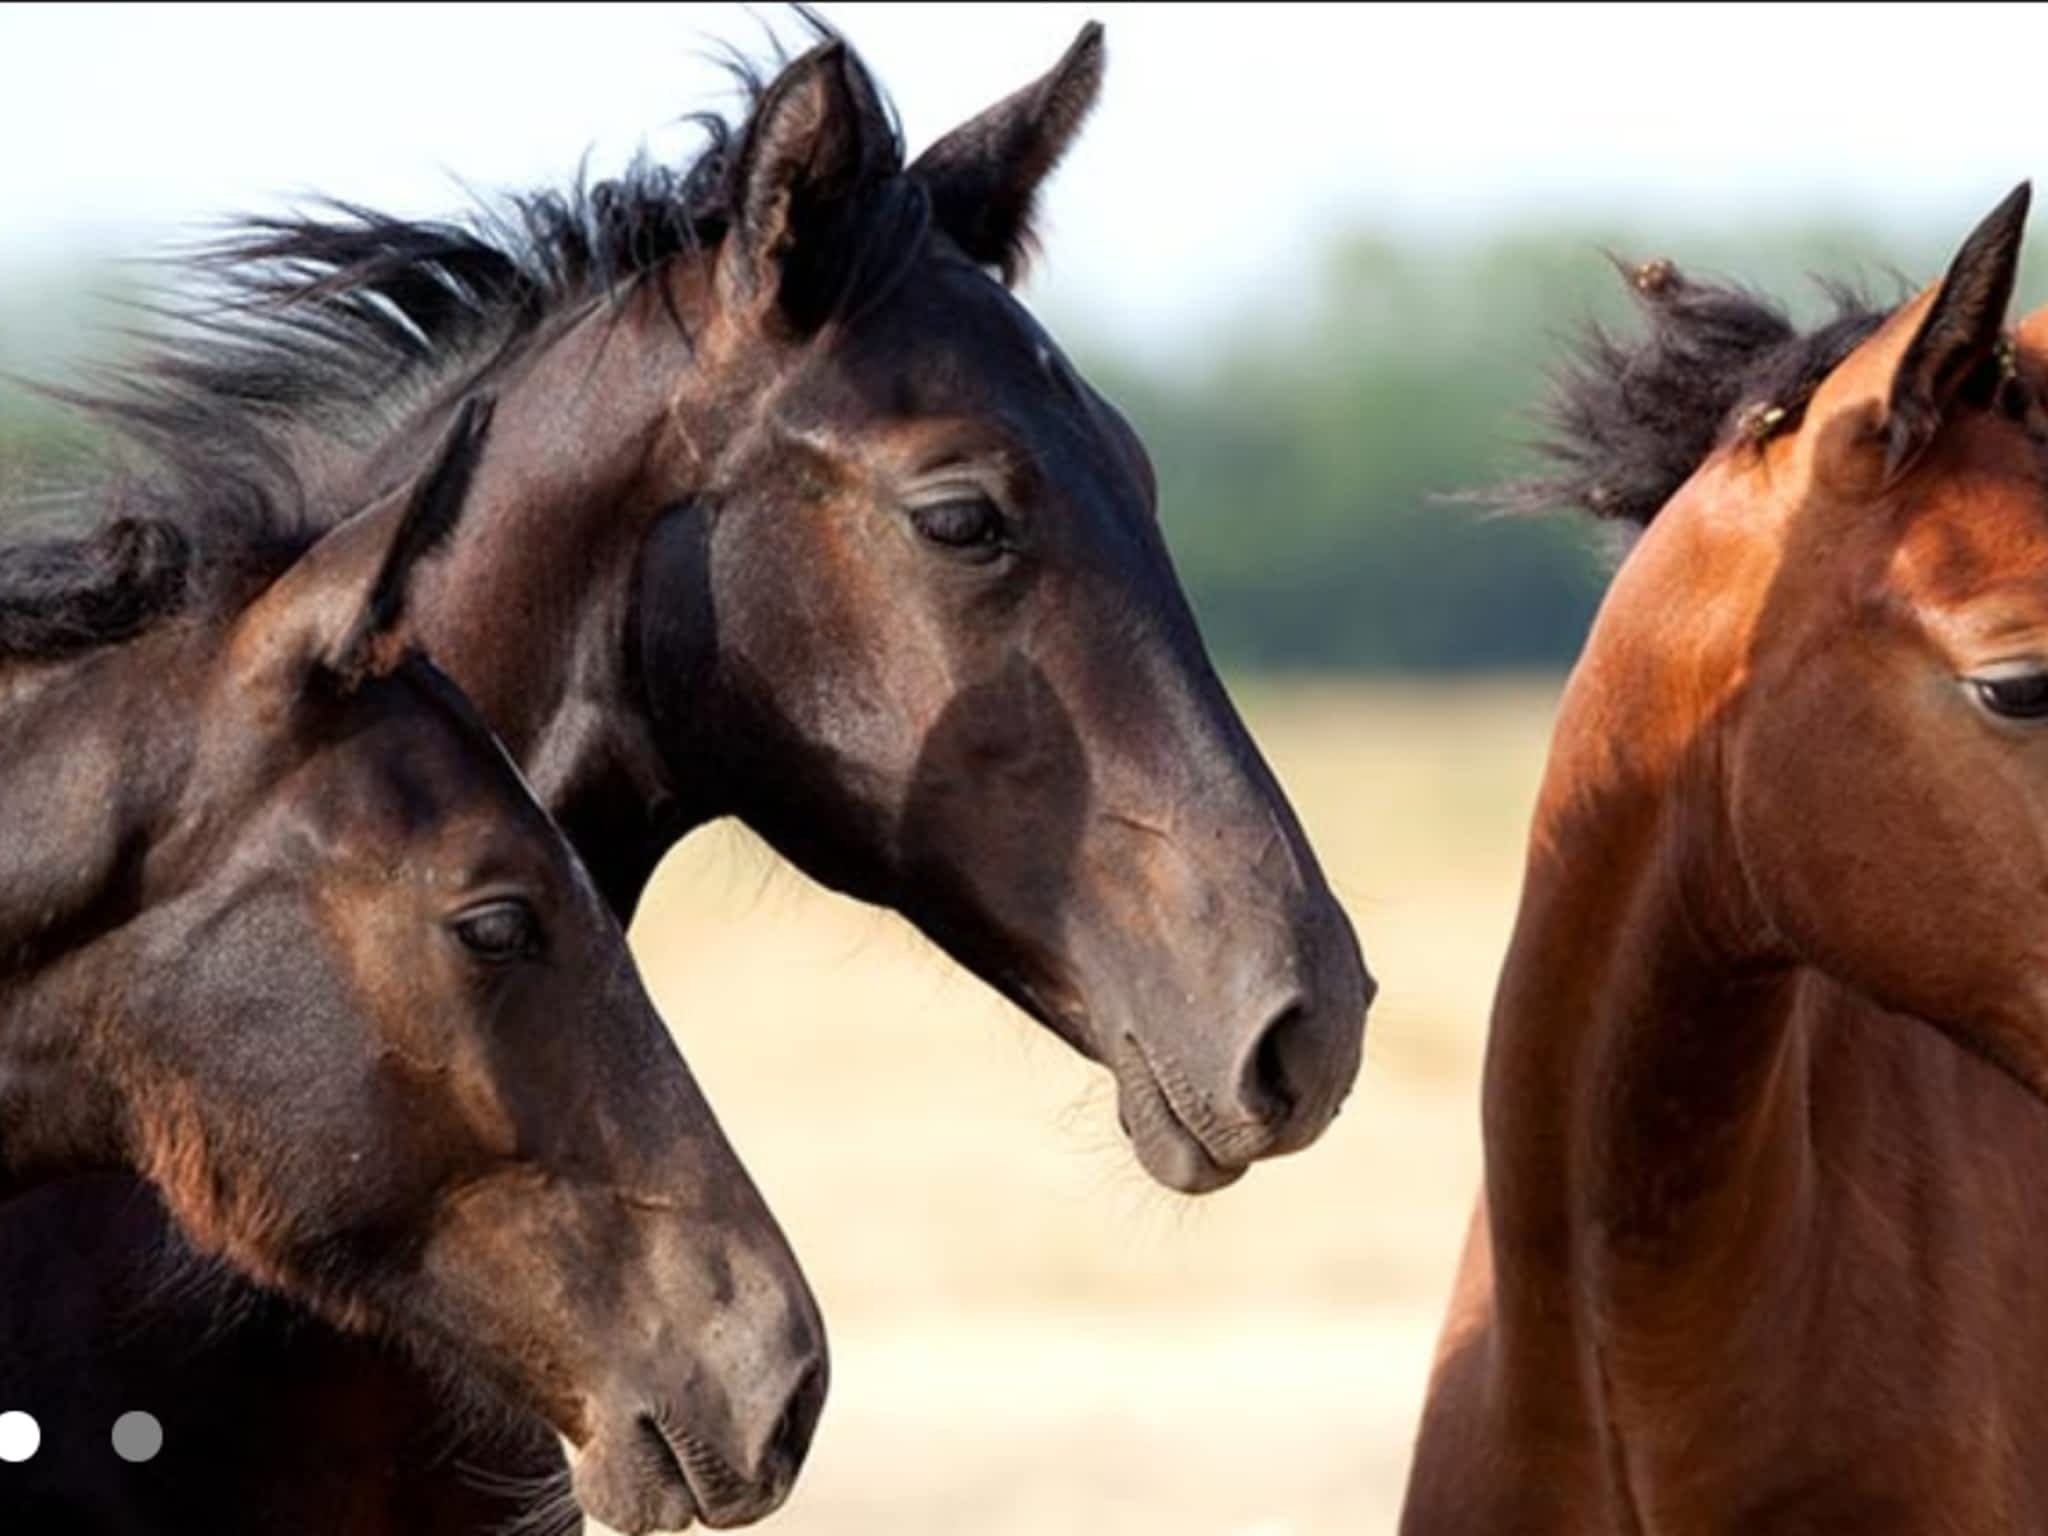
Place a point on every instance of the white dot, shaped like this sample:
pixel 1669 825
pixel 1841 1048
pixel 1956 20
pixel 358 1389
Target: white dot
pixel 19 1436
pixel 137 1436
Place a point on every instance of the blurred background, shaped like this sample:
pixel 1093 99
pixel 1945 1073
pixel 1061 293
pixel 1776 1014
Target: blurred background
pixel 1323 257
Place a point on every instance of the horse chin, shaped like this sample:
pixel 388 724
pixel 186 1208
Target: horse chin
pixel 1167 1150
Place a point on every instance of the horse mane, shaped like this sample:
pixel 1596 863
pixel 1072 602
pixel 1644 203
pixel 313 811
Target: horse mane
pixel 62 595
pixel 1629 421
pixel 304 341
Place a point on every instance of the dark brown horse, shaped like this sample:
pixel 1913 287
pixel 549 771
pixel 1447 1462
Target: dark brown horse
pixel 1761 1243
pixel 793 514
pixel 286 936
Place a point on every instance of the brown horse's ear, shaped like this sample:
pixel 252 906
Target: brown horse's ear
pixel 984 176
pixel 1919 361
pixel 818 144
pixel 337 615
pixel 367 647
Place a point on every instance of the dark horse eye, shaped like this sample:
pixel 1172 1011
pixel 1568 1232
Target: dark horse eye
pixel 500 930
pixel 969 524
pixel 2023 696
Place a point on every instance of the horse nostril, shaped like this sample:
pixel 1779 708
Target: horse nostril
pixel 791 1438
pixel 1267 1089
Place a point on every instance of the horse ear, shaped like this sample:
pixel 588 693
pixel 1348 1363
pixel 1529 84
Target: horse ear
pixel 818 142
pixel 983 177
pixel 1919 361
pixel 336 616
pixel 433 508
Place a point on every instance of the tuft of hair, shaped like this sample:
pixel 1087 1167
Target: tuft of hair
pixel 62 596
pixel 1629 420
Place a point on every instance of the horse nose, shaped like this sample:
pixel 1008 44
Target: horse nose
pixel 1266 1082
pixel 784 1419
pixel 1294 1075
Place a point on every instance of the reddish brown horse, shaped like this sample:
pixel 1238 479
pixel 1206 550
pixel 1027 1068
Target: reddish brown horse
pixel 1761 1242
pixel 285 935
pixel 793 513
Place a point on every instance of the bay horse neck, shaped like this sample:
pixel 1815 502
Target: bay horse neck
pixel 1642 1064
pixel 532 606
pixel 94 795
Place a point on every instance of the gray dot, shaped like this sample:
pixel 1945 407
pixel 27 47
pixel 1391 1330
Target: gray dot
pixel 137 1436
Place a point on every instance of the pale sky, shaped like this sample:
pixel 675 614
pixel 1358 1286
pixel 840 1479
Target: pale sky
pixel 1229 137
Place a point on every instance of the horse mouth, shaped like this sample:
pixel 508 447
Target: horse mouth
pixel 1169 1147
pixel 650 1479
pixel 673 1453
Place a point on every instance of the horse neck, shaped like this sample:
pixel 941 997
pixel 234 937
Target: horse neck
pixel 92 750
pixel 532 609
pixel 60 1112
pixel 1644 1080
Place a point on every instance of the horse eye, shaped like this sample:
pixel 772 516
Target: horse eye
pixel 2023 696
pixel 500 930
pixel 969 524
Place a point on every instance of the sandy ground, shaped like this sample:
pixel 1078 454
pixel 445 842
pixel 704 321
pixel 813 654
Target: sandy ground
pixel 1027 1336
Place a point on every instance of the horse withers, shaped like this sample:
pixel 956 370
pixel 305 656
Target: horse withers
pixel 285 935
pixel 1761 1238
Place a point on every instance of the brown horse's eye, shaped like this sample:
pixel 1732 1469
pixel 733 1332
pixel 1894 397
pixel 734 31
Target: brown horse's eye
pixel 500 930
pixel 2022 696
pixel 969 525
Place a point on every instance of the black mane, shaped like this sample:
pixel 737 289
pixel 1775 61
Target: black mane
pixel 1629 421
pixel 59 596
pixel 310 338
